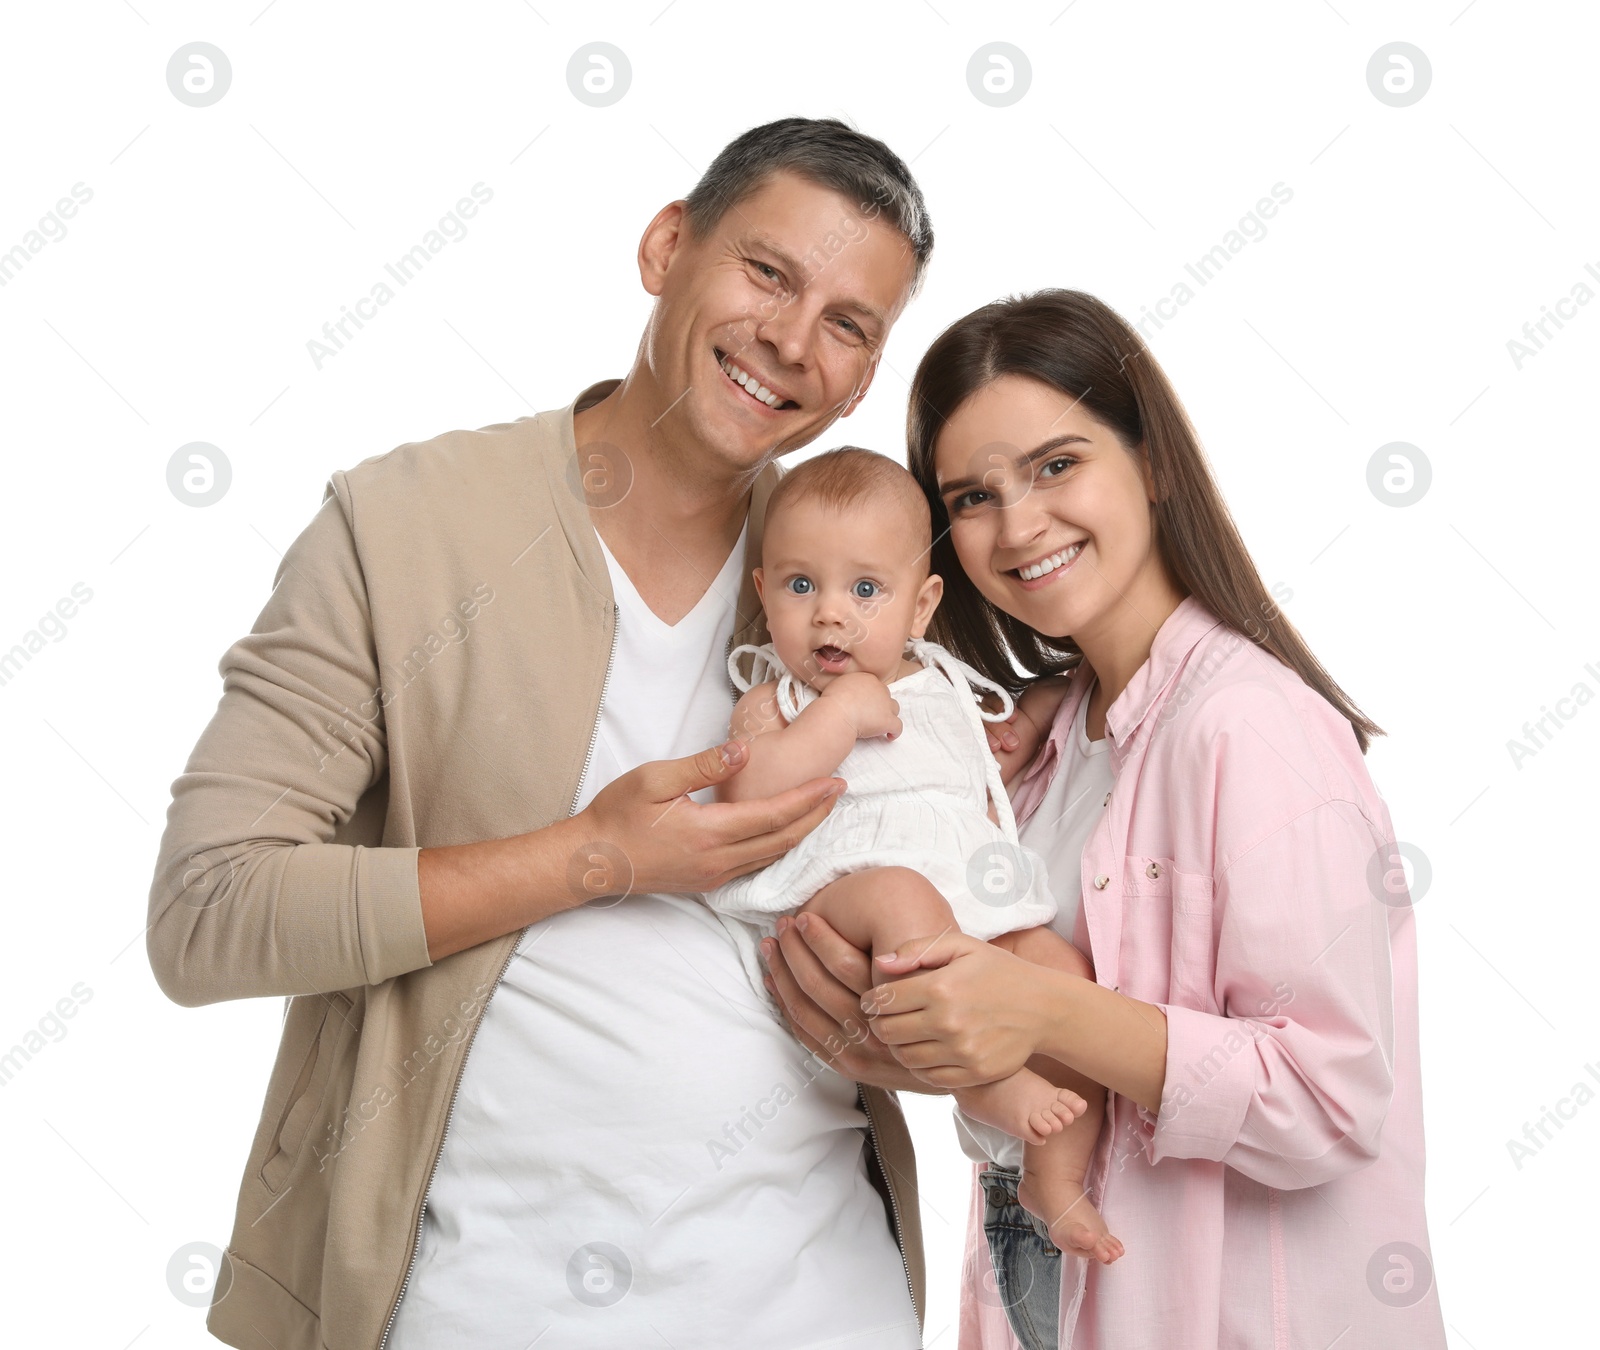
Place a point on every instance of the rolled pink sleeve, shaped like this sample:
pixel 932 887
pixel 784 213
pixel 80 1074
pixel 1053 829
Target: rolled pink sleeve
pixel 1290 1081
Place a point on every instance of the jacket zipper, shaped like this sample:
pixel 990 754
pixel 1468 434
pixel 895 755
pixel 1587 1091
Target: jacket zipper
pixel 894 1205
pixel 594 731
pixel 416 1246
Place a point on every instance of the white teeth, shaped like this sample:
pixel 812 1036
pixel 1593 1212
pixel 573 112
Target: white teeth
pixel 750 384
pixel 1048 565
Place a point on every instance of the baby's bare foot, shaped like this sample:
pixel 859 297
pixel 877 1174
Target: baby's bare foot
pixel 1075 1225
pixel 1024 1105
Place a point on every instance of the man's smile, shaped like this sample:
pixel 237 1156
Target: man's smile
pixel 752 386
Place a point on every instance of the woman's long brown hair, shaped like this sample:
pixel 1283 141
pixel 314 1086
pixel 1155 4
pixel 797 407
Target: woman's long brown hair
pixel 1082 347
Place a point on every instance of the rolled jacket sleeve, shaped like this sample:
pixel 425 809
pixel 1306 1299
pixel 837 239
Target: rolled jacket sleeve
pixel 250 896
pixel 1291 1081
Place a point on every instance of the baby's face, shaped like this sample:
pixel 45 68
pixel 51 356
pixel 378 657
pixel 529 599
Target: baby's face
pixel 843 589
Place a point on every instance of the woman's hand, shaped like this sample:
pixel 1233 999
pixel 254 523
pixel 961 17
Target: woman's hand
pixel 1016 740
pixel 818 979
pixel 1013 744
pixel 973 1013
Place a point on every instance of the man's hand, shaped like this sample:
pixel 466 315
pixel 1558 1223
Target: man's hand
pixel 866 702
pixel 818 979
pixel 644 834
pixel 641 833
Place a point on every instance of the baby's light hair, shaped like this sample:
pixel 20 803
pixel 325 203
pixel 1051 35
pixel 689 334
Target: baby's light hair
pixel 851 476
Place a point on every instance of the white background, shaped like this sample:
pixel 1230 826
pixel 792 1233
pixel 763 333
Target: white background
pixel 1377 308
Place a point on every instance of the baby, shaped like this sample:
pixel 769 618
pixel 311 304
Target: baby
pixel 849 684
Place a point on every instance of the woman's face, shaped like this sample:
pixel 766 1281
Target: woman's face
pixel 1050 513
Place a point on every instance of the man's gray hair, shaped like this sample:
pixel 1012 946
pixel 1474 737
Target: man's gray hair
pixel 829 154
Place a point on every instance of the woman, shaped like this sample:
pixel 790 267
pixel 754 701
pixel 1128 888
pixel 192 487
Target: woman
pixel 1237 887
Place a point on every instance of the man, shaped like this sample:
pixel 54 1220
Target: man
pixel 456 795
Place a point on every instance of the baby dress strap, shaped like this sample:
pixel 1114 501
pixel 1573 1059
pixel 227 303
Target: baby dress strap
pixel 964 676
pixel 794 694
pixel 768 665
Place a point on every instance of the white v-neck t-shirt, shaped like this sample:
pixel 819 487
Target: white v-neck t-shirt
pixel 639 1154
pixel 1057 831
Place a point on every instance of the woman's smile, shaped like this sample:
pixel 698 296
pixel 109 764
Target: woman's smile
pixel 1041 572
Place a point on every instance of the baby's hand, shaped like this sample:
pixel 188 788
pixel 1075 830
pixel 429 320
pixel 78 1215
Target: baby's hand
pixel 865 700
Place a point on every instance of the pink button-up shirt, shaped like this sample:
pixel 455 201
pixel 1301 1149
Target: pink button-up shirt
pixel 1244 879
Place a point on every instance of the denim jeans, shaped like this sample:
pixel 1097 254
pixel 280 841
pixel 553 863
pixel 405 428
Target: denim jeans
pixel 1027 1265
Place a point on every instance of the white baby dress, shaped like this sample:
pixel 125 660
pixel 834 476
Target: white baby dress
pixel 918 801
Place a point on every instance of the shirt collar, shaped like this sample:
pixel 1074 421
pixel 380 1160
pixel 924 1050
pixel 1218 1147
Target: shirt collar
pixel 1174 640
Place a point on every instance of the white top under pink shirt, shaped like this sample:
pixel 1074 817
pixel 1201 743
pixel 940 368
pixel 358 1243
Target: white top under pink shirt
pixel 1059 829
pixel 1242 877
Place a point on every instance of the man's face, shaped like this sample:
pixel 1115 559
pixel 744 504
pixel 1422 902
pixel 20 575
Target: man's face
pixel 792 293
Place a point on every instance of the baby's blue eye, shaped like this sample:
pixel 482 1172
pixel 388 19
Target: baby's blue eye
pixel 799 585
pixel 865 590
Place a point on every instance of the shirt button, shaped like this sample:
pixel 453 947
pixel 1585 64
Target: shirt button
pixel 1101 882
pixel 1152 871
pixel 1107 801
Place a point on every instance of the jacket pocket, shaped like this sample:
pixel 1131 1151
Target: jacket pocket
pixel 310 1047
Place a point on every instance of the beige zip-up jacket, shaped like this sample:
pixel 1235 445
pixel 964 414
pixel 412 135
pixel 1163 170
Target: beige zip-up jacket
pixel 427 671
